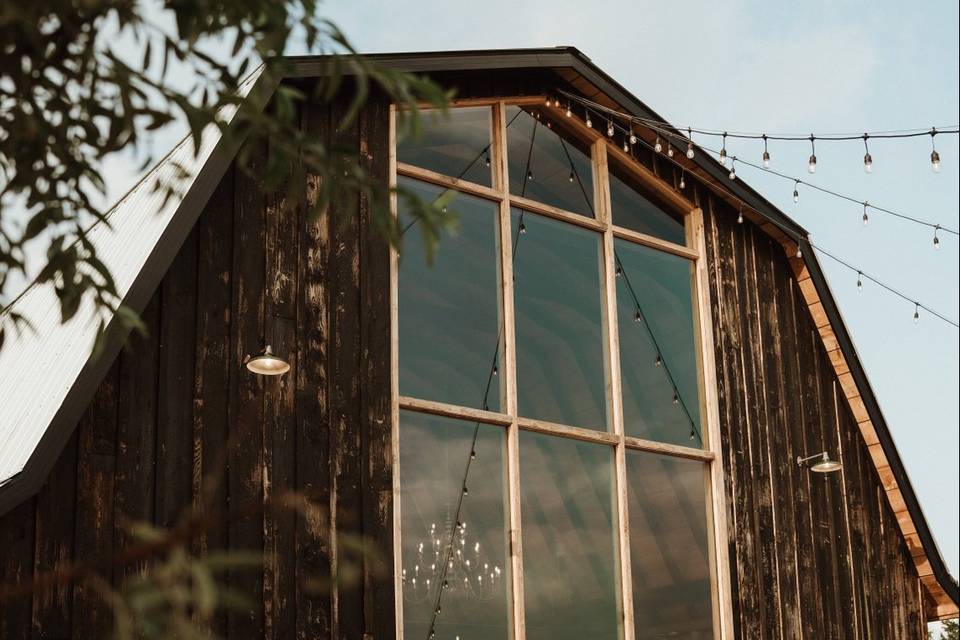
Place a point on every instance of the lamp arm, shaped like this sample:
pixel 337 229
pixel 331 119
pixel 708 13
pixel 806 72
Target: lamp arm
pixel 800 460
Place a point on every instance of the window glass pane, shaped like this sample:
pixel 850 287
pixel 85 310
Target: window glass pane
pixel 455 144
pixel 559 333
pixel 669 556
pixel 546 167
pixel 448 311
pixel 434 453
pixel 570 567
pixel 636 208
pixel 661 399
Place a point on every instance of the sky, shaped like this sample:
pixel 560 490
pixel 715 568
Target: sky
pixel 817 66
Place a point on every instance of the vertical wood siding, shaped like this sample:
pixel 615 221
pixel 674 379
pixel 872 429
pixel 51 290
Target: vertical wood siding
pixel 179 423
pixel 811 556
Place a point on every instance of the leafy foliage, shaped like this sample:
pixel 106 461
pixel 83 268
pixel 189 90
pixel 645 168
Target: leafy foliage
pixel 70 96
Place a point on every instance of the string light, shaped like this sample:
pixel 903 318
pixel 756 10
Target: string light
pixel 659 361
pixel 626 146
pixel 867 158
pixel 796 193
pixel 934 156
pixel 657 146
pixel 669 149
pixel 723 150
pixel 766 153
pixel 570 177
pixel 733 169
pixel 569 112
pixel 683 184
pixel 812 162
pixel 529 175
pixel 610 130
pixel 740 215
pixel 633 136
pixel 637 317
pixel 618 271
pixel 589 121
pixel 916 313
pixel 522 229
pixel 866 218
pixel 486 160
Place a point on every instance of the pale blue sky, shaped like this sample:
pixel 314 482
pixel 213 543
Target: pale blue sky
pixel 817 66
pixel 796 67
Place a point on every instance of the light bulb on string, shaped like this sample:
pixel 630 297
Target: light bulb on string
pixel 676 397
pixel 626 146
pixel 796 191
pixel 683 182
pixel 633 136
pixel 859 281
pixel 733 169
pixel 916 312
pixel 569 112
pixel 740 215
pixel 522 229
pixel 867 158
pixel 689 143
pixel 812 161
pixel 589 121
pixel 934 156
pixel 799 252
pixel 570 177
pixel 866 218
pixel 657 146
pixel 766 153
pixel 637 317
pixel 486 160
pixel 693 434
pixel 618 271
pixel 669 149
pixel 610 130
pixel 529 175
pixel 723 150
pixel 659 361
pixel 936 239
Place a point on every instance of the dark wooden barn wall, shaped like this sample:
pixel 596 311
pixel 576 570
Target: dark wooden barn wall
pixel 810 557
pixel 179 423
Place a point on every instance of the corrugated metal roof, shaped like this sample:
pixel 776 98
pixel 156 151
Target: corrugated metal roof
pixel 39 367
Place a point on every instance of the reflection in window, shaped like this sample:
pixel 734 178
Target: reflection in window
pixel 434 452
pixel 669 555
pixel 559 333
pixel 658 362
pixel 546 167
pixel 455 144
pixel 633 207
pixel 570 567
pixel 448 311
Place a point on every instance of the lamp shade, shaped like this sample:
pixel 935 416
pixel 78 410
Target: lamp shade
pixel 266 363
pixel 826 465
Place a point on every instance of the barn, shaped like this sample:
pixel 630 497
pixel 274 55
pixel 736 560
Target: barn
pixel 618 402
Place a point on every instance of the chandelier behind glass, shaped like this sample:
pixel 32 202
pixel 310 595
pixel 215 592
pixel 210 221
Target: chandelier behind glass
pixel 470 574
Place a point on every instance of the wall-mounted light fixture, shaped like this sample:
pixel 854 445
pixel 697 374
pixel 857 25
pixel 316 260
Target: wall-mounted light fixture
pixel 820 463
pixel 266 363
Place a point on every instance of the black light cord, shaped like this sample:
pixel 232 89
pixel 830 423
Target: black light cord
pixel 793 235
pixel 861 272
pixel 661 360
pixel 662 128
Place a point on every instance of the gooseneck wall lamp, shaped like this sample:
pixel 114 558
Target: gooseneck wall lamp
pixel 266 363
pixel 819 463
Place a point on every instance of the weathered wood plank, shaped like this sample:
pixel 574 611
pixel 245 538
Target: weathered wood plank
pixel 136 435
pixel 346 498
pixel 56 509
pixel 93 536
pixel 377 477
pixel 245 446
pixel 312 536
pixel 178 326
pixel 17 530
pixel 279 421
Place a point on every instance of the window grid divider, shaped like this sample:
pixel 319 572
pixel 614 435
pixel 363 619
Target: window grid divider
pixel 694 250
